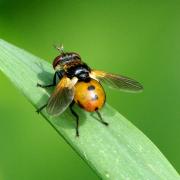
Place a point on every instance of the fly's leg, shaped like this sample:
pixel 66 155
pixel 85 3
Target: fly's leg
pixel 100 118
pixel 49 85
pixel 57 73
pixel 45 86
pixel 41 108
pixel 77 118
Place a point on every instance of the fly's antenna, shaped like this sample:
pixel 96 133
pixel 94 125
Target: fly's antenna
pixel 60 48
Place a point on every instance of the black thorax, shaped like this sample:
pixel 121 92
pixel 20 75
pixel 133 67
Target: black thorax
pixel 81 71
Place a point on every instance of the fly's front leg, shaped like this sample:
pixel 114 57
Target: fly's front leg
pixel 57 73
pixel 49 85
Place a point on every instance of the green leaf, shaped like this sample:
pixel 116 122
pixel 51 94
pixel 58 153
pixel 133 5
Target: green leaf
pixel 119 151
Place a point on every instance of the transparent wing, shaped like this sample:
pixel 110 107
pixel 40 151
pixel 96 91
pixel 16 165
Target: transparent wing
pixel 62 96
pixel 117 81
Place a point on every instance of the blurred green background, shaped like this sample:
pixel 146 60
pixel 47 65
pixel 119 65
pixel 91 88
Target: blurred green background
pixel 139 39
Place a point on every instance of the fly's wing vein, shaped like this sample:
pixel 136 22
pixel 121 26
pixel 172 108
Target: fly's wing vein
pixel 62 97
pixel 117 81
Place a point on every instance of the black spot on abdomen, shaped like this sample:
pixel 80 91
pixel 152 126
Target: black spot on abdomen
pixel 96 108
pixel 91 87
pixel 95 97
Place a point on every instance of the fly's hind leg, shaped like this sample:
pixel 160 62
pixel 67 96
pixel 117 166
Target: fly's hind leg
pixel 77 118
pixel 100 118
pixel 41 108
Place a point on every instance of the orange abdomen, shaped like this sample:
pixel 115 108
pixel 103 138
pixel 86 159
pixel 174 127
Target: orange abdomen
pixel 89 95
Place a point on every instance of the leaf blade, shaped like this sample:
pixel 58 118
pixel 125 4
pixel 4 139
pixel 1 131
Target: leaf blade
pixel 119 151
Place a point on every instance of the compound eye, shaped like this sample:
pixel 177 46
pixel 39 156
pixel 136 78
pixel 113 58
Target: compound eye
pixel 57 61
